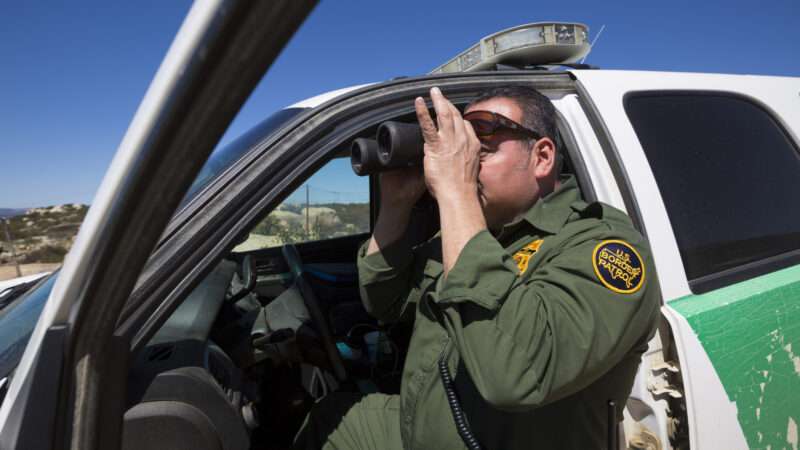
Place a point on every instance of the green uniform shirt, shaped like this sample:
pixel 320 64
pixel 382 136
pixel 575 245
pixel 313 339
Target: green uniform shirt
pixel 541 326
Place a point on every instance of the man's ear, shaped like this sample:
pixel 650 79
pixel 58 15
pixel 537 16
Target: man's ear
pixel 544 154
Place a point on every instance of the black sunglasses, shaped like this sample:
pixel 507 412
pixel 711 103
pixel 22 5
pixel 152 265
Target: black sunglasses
pixel 487 123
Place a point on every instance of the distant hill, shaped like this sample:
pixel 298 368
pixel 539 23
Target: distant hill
pixel 292 222
pixel 10 212
pixel 45 235
pixel 41 235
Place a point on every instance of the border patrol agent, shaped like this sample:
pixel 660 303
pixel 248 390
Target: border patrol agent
pixel 535 305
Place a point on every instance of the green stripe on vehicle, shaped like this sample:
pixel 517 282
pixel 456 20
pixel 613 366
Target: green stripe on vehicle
pixel 751 333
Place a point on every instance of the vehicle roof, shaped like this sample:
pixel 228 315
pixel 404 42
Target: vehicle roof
pixel 669 75
pixel 619 75
pixel 317 100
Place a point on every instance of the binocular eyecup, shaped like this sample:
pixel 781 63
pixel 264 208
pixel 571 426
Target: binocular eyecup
pixel 396 145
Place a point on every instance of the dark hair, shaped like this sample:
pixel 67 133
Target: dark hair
pixel 538 112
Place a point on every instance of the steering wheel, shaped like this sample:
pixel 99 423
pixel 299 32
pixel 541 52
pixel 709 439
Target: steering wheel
pixel 292 258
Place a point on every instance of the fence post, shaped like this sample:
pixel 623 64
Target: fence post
pixel 13 250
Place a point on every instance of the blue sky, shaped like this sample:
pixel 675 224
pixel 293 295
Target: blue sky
pixel 72 73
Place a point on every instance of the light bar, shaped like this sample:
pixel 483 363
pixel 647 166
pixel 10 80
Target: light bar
pixel 533 44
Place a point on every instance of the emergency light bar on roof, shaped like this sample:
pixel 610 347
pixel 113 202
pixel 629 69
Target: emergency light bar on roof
pixel 533 44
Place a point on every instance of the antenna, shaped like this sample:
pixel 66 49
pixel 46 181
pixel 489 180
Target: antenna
pixel 595 40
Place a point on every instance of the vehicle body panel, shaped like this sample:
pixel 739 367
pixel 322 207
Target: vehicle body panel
pixel 750 333
pixel 7 284
pixel 740 337
pixel 713 417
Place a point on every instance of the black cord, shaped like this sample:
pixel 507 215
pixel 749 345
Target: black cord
pixel 458 415
pixel 613 437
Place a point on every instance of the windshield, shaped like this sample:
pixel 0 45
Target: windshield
pixel 223 158
pixel 19 316
pixel 17 320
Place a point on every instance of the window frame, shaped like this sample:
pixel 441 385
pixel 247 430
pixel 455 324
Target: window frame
pixel 277 168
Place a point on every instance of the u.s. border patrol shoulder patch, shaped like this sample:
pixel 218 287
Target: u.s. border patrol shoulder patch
pixel 618 266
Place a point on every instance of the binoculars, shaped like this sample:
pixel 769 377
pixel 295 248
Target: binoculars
pixel 396 145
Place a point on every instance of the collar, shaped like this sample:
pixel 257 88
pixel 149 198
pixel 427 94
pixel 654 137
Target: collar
pixel 550 213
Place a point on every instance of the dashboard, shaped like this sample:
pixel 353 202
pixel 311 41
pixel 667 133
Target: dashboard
pixel 183 387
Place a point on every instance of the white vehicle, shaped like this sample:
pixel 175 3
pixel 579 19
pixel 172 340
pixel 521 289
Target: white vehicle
pixel 162 328
pixel 8 285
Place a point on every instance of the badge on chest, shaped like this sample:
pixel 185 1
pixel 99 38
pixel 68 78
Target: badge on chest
pixel 524 255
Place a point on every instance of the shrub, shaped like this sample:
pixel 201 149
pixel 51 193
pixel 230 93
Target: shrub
pixel 45 254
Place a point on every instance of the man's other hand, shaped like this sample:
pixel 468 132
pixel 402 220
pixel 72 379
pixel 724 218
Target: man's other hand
pixel 402 188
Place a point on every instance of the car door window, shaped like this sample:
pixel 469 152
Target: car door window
pixel 727 172
pixel 332 203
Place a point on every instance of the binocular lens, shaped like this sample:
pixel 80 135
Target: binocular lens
pixel 396 145
pixel 364 156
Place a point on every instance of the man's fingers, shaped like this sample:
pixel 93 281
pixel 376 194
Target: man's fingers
pixel 425 122
pixel 459 132
pixel 472 137
pixel 444 115
pixel 474 145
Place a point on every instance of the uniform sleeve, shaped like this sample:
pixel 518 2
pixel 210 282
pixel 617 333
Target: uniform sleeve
pixel 557 331
pixel 386 280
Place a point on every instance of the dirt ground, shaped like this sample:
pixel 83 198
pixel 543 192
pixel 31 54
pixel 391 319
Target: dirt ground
pixel 10 271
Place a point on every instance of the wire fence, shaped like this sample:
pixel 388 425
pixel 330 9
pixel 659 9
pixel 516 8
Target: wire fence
pixel 315 195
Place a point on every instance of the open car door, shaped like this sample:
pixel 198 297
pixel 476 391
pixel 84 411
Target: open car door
pixel 61 395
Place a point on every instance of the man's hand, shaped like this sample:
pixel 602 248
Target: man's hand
pixel 452 150
pixel 452 163
pixel 401 188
